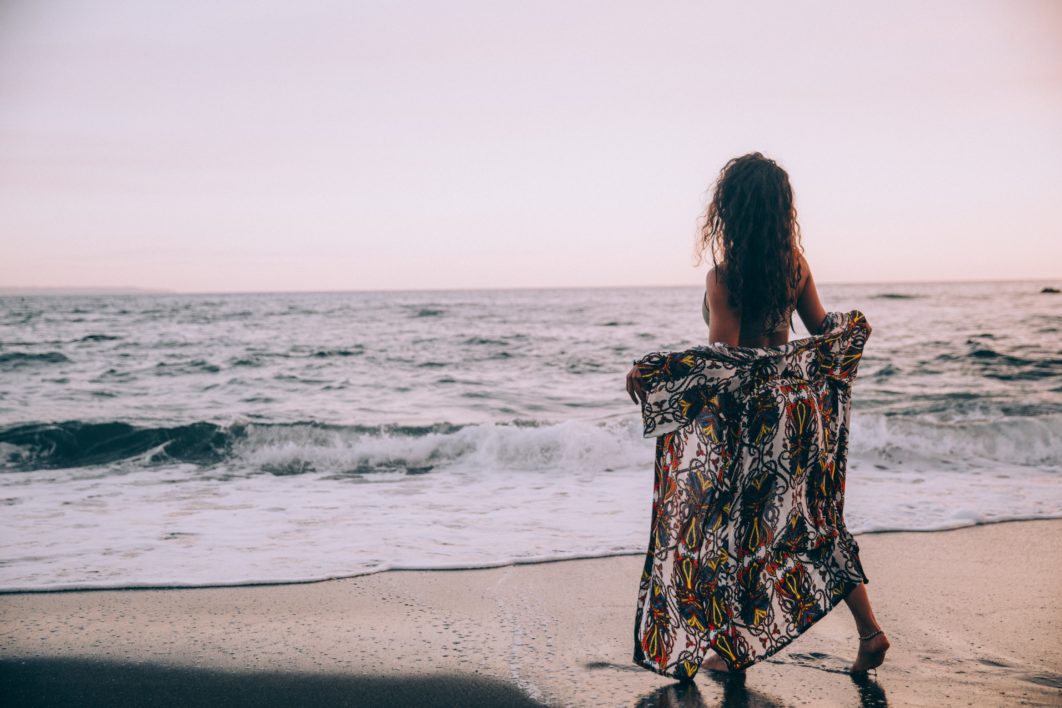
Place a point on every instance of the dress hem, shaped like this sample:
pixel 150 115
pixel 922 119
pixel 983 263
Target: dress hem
pixel 852 585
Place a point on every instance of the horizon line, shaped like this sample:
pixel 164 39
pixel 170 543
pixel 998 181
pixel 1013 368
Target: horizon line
pixel 137 290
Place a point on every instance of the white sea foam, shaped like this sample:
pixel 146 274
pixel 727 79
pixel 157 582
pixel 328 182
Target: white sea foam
pixel 571 445
pixel 1023 440
pixel 496 494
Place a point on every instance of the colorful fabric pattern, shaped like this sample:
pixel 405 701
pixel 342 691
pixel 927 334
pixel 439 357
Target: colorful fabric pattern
pixel 748 546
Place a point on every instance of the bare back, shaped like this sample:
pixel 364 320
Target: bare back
pixel 725 324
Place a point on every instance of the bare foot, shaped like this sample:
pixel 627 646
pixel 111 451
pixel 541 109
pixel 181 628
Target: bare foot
pixel 871 653
pixel 714 662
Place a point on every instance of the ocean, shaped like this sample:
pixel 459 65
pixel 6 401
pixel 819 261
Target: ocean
pixel 188 440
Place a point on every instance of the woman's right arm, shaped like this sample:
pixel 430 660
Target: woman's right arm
pixel 809 306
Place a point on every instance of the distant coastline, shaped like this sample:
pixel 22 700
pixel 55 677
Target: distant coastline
pixel 100 290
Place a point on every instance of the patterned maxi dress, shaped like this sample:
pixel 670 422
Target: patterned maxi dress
pixel 748 546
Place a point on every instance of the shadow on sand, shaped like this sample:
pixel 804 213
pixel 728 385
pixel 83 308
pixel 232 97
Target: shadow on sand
pixel 91 682
pixel 688 695
pixel 737 695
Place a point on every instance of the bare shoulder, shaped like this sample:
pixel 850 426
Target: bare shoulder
pixel 716 289
pixel 714 282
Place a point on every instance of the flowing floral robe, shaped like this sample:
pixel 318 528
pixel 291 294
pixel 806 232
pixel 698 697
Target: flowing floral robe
pixel 748 546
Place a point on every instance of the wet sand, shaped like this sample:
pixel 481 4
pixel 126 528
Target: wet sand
pixel 974 617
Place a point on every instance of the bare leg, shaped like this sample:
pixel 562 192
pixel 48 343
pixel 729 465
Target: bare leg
pixel 871 650
pixel 714 662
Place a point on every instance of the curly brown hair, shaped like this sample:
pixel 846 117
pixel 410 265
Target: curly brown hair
pixel 751 226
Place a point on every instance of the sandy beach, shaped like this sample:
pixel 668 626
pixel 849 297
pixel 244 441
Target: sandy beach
pixel 974 616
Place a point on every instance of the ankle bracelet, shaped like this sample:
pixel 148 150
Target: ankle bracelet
pixel 871 635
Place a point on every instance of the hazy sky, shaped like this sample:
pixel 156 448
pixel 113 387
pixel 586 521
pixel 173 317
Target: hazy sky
pixel 311 145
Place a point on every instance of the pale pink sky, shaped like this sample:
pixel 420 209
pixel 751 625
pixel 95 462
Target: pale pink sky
pixel 264 145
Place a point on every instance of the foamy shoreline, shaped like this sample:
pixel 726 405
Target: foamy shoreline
pixel 972 614
pixel 560 558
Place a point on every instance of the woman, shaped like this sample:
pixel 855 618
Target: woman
pixel 759 276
